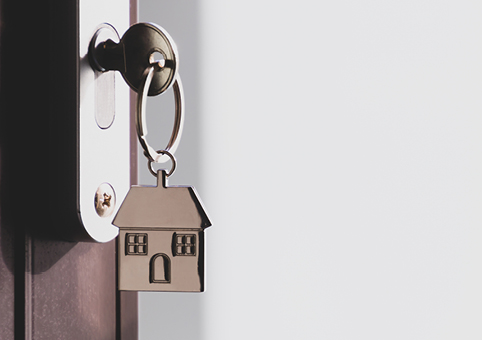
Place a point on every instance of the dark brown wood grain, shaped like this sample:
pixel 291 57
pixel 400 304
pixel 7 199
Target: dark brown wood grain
pixel 73 290
pixel 49 288
pixel 21 123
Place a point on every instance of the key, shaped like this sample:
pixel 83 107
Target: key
pixel 142 45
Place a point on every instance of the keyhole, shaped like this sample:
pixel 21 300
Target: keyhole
pixel 157 58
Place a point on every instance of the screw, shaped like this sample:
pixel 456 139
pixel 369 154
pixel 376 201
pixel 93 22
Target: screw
pixel 104 200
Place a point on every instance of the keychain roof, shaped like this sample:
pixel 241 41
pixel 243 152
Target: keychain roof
pixel 162 207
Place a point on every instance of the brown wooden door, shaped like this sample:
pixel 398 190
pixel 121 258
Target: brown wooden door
pixel 49 288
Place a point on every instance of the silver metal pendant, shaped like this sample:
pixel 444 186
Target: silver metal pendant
pixel 161 238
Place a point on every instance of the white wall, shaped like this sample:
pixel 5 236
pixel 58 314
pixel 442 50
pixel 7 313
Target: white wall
pixel 340 154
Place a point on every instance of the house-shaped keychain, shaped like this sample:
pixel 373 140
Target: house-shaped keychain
pixel 161 239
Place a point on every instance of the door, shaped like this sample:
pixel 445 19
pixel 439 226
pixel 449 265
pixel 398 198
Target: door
pixel 49 288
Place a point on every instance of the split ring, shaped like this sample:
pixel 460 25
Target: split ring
pixel 141 126
pixel 170 156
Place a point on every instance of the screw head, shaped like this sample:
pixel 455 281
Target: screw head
pixel 104 200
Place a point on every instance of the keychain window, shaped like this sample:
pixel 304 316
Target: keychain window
pixel 136 244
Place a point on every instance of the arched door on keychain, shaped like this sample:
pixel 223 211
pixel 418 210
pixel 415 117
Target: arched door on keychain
pixel 49 288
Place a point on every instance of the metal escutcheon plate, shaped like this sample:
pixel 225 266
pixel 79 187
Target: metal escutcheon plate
pixel 145 39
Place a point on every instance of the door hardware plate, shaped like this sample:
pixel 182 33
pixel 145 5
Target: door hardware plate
pixel 89 133
pixel 103 135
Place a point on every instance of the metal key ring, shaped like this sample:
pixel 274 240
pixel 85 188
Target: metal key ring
pixel 150 152
pixel 171 157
